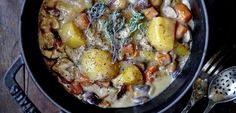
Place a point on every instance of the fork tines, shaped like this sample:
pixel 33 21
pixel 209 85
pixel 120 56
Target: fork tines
pixel 215 64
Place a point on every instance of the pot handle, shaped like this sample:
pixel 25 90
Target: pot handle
pixel 15 90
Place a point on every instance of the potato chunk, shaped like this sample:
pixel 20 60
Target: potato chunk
pixel 147 55
pixel 161 32
pixel 97 65
pixel 71 35
pixel 131 75
pixel 181 50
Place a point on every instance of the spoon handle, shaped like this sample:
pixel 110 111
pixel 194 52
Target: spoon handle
pixel 210 105
pixel 234 101
pixel 188 106
pixel 190 103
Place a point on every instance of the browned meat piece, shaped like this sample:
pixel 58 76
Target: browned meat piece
pixel 150 13
pixel 149 73
pixel 163 59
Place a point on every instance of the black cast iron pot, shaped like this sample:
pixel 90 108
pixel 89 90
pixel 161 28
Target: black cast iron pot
pixel 32 58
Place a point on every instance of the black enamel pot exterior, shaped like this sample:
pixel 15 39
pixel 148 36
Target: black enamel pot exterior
pixel 31 57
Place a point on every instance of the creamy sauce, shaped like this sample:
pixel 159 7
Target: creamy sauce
pixel 162 81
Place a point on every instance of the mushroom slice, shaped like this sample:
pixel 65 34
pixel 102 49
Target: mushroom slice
pixel 66 69
pixel 74 54
pixel 49 46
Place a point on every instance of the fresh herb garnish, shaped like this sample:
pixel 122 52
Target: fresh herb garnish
pixel 96 11
pixel 114 24
pixel 135 21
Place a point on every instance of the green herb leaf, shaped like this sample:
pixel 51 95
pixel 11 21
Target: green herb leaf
pixel 135 21
pixel 96 11
pixel 115 23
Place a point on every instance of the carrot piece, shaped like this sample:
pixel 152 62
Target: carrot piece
pixel 76 88
pixel 184 14
pixel 148 74
pixel 150 13
pixel 180 31
pixel 131 50
pixel 82 21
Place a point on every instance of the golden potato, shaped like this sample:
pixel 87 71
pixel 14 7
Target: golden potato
pixel 147 55
pixel 97 65
pixel 160 33
pixel 181 50
pixel 71 35
pixel 131 75
pixel 73 8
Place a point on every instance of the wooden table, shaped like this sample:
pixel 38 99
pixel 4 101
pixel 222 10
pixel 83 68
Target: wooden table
pixel 9 50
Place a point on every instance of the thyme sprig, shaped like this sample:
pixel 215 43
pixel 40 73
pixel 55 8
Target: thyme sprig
pixel 96 11
pixel 114 24
pixel 136 20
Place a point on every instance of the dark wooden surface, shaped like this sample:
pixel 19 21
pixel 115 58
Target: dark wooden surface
pixel 9 50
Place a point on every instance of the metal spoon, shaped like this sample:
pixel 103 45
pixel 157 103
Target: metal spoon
pixel 212 67
pixel 222 88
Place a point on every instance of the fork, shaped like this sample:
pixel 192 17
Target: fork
pixel 211 68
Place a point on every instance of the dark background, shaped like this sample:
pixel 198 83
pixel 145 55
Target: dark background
pixel 222 17
pixel 222 30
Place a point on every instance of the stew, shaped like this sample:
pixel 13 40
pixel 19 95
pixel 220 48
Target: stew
pixel 115 53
